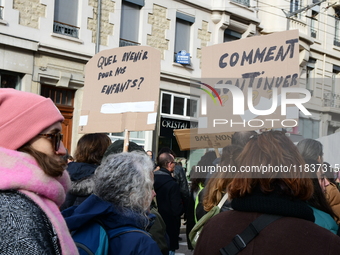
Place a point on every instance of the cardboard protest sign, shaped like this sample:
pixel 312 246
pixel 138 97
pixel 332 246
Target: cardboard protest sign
pixel 245 82
pixel 189 139
pixel 121 90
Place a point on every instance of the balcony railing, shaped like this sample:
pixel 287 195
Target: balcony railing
pixel 331 100
pixel 313 33
pixel 244 2
pixel 297 23
pixel 65 29
pixel 123 43
pixel 1 12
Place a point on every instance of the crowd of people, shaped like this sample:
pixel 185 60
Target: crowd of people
pixel 114 202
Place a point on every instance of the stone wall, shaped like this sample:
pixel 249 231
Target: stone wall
pixel 205 36
pixel 29 12
pixel 160 24
pixel 106 28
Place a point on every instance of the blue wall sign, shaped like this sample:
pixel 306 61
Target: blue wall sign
pixel 183 57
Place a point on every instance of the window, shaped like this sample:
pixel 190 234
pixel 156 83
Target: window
pixel 178 105
pixel 166 103
pixel 183 30
pixel 313 24
pixel 310 75
pixel 335 73
pixel 244 2
pixel 182 41
pixel 173 104
pixel 309 128
pixel 337 27
pixel 137 137
pixel 295 5
pixel 309 82
pixel 66 18
pixel 230 35
pixel 191 107
pixel 1 10
pixel 10 80
pixel 332 98
pixel 60 96
pixel 129 23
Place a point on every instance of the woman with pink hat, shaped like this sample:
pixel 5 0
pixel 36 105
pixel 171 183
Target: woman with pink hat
pixel 33 182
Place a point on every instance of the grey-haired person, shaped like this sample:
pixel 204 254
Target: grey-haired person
pixel 122 196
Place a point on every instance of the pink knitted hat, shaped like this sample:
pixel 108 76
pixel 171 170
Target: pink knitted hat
pixel 23 116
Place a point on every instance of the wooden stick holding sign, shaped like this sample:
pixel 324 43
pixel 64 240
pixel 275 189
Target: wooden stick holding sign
pixel 215 148
pixel 217 153
pixel 126 140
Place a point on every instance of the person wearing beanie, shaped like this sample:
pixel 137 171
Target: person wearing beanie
pixel 33 183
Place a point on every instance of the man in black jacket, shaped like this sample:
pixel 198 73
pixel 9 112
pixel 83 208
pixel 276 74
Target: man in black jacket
pixel 180 178
pixel 168 198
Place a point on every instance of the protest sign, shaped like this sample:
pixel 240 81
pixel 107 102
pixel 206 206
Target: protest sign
pixel 250 84
pixel 189 139
pixel 121 90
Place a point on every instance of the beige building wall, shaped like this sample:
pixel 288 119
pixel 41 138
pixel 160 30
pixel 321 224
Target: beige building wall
pixel 28 45
pixel 316 25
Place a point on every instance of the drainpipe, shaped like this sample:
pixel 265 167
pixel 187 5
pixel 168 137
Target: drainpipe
pixel 99 16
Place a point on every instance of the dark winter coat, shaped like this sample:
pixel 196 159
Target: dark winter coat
pixel 169 204
pixel 295 233
pixel 158 231
pixel 19 211
pixel 82 184
pixel 182 181
pixel 288 235
pixel 127 244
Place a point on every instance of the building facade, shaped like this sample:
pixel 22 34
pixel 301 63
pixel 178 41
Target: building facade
pixel 45 45
pixel 318 25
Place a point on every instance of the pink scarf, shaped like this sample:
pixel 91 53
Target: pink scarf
pixel 19 171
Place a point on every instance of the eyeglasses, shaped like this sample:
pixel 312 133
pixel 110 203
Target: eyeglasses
pixel 56 138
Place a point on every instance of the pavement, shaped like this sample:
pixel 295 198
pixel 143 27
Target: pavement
pixel 183 247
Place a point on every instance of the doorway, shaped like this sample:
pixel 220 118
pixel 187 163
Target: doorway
pixel 64 100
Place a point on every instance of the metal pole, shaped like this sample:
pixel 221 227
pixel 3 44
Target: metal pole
pixel 99 16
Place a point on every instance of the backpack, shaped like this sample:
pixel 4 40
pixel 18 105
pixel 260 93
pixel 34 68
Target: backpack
pixel 197 229
pixel 240 241
pixel 93 238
